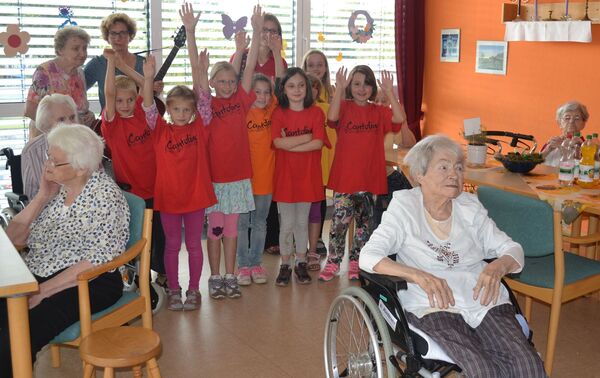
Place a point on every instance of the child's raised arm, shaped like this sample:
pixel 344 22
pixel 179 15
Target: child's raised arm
pixel 257 20
pixel 341 82
pixel 398 114
pixel 189 22
pixel 110 93
pixel 147 94
pixel 274 42
pixel 241 44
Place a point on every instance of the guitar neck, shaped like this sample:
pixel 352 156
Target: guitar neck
pixel 165 67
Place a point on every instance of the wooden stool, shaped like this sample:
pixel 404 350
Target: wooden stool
pixel 120 347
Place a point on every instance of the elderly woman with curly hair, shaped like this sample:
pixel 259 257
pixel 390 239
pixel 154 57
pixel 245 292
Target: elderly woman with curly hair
pixel 441 237
pixel 571 118
pixel 78 219
pixel 62 74
pixel 118 29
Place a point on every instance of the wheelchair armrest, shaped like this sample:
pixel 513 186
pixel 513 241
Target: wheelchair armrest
pixel 392 283
pixel 16 197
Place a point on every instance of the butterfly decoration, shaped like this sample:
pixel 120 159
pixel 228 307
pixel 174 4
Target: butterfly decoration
pixel 230 27
pixel 320 37
pixel 66 12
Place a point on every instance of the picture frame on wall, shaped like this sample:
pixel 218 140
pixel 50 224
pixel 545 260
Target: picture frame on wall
pixel 450 45
pixel 491 57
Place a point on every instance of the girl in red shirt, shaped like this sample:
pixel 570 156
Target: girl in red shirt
pixel 230 162
pixel 358 169
pixel 298 134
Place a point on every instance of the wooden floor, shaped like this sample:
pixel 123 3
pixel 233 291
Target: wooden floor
pixel 278 332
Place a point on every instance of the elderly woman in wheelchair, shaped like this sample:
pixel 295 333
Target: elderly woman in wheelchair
pixel 78 219
pixel 441 237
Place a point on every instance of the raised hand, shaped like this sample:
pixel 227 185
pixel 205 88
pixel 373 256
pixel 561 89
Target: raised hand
pixel 341 79
pixel 274 43
pixel 258 18
pixel 149 67
pixel 387 81
pixel 242 41
pixel 109 54
pixel 187 17
pixel 204 60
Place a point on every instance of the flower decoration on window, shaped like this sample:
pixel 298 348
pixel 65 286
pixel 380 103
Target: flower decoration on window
pixel 320 37
pixel 14 40
pixel 66 12
pixel 361 35
pixel 339 57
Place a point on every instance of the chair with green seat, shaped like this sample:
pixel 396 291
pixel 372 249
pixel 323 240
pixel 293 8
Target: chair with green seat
pixel 132 304
pixel 550 275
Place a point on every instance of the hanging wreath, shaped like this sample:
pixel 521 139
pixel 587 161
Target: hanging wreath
pixel 364 34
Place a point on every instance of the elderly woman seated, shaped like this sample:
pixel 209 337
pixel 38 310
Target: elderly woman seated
pixel 78 219
pixel 441 236
pixel 52 110
pixel 571 118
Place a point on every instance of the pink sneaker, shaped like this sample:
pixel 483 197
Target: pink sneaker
pixel 329 272
pixel 353 270
pixel 243 276
pixel 259 274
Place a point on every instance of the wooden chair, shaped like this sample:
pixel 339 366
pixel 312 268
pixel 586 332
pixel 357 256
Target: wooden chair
pixel 132 304
pixel 550 275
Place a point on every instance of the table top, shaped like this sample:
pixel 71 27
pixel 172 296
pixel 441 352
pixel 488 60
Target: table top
pixel 15 278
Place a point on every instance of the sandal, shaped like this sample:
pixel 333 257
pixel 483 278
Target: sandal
pixel 313 263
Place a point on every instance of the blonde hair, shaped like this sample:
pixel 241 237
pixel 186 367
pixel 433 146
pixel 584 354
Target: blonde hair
pixel 125 83
pixel 326 79
pixel 315 82
pixel 220 66
pixel 181 92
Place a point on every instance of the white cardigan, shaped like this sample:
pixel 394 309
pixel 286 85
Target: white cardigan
pixel 458 259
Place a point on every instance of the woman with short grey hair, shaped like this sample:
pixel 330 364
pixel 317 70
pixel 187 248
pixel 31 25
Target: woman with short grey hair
pixel 63 74
pixel 571 118
pixel 53 109
pixel 441 237
pixel 79 219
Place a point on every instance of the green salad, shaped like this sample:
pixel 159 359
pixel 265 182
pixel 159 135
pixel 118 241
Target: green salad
pixel 533 157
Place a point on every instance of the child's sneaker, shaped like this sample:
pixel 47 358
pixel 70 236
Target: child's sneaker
pixel 231 287
pixel 353 270
pixel 283 278
pixel 259 274
pixel 192 300
pixel 329 272
pixel 243 276
pixel 302 275
pixel 216 287
pixel 174 300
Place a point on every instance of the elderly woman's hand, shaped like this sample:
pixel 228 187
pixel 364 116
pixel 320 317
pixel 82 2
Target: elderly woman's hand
pixel 48 189
pixel 437 289
pixel 555 142
pixel 489 279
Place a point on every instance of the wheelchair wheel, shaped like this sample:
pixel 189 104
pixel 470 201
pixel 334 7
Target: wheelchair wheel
pixel 357 343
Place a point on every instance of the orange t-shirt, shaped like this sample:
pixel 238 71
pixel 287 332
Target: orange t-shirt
pixel 359 162
pixel 183 182
pixel 228 144
pixel 262 154
pixel 130 143
pixel 298 174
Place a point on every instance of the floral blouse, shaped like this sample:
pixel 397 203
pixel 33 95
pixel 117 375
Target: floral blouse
pixel 94 228
pixel 49 78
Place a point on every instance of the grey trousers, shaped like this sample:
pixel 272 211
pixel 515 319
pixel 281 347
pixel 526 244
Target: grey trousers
pixel 496 348
pixel 293 227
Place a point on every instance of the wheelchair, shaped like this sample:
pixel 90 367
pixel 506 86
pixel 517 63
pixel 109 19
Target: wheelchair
pixel 367 334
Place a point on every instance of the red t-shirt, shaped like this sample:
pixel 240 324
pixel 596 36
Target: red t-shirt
pixel 359 162
pixel 183 182
pixel 228 144
pixel 130 143
pixel 298 174
pixel 267 69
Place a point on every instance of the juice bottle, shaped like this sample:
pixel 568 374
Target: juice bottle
pixel 587 163
pixel 566 165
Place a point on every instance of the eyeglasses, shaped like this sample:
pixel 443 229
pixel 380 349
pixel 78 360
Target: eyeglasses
pixel 123 33
pixel 270 31
pixel 54 164
pixel 569 118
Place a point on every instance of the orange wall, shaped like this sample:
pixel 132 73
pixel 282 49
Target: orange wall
pixel 540 75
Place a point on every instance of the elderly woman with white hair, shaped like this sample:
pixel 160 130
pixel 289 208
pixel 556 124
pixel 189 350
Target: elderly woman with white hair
pixel 571 118
pixel 78 219
pixel 52 110
pixel 63 74
pixel 441 236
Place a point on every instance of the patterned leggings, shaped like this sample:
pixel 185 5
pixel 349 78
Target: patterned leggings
pixel 345 207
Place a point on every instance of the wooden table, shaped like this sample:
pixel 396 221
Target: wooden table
pixel 16 281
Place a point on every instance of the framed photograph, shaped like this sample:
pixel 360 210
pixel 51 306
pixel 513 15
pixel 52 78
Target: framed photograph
pixel 450 45
pixel 491 57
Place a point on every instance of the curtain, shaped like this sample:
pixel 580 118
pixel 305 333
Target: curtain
pixel 410 56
